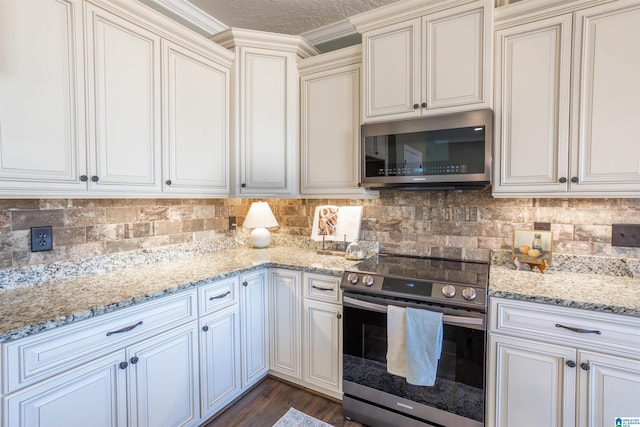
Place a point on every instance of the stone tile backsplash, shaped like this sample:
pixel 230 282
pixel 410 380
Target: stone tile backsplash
pixel 467 224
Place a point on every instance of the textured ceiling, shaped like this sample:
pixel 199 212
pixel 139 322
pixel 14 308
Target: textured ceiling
pixel 284 16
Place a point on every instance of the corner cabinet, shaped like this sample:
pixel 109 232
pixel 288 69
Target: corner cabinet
pixel 423 60
pixel 266 113
pixel 135 105
pixel 330 124
pixel 556 366
pixel 566 99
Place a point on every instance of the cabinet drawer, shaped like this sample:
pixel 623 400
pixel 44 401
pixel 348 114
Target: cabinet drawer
pixel 218 295
pixel 321 287
pixel 39 356
pixel 590 329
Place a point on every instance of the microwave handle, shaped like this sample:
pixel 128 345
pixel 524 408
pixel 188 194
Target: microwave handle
pixel 446 318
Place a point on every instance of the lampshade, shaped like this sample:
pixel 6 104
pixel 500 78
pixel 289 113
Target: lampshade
pixel 259 217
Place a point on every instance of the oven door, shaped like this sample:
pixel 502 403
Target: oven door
pixel 456 398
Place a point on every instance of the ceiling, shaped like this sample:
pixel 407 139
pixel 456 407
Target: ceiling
pixel 318 21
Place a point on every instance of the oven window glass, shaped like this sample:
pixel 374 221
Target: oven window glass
pixel 459 386
pixel 457 151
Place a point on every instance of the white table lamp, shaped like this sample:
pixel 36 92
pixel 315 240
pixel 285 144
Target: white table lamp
pixel 259 218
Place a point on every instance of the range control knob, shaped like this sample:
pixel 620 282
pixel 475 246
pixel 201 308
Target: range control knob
pixel 353 278
pixel 368 280
pixel 469 294
pixel 449 291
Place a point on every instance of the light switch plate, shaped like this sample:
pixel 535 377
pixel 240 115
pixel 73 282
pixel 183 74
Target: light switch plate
pixel 625 235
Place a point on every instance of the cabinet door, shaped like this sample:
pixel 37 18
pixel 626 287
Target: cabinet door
pixel 606 92
pixel 164 379
pixel 530 383
pixel 220 358
pixel 532 107
pixel 42 143
pixel 196 114
pixel 254 327
pixel 323 346
pixel 268 117
pixel 93 394
pixel 284 322
pixel 456 57
pixel 123 75
pixel 331 131
pixel 609 388
pixel 392 72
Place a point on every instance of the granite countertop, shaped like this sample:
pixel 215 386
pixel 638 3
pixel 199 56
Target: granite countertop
pixel 612 294
pixel 27 310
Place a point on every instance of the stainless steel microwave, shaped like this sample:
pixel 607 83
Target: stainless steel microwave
pixel 441 152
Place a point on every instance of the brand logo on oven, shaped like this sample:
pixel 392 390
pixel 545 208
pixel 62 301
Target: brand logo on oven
pixel 404 405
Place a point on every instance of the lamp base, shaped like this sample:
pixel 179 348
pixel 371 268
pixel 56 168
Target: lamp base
pixel 260 238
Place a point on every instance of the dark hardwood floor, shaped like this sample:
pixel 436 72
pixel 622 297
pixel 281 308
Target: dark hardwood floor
pixel 263 405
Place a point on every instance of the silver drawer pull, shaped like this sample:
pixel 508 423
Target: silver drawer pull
pixel 578 330
pixel 320 288
pixel 220 296
pixel 127 329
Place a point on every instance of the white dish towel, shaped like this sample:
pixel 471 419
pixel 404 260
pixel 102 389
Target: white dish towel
pixel 414 344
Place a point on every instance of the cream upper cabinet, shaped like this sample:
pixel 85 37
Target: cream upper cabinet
pixel 330 123
pixel 123 80
pixel 266 113
pixel 564 121
pixel 196 122
pixel 41 96
pixel 439 61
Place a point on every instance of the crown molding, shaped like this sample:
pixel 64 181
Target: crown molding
pixel 192 14
pixel 351 55
pixel 233 37
pixel 330 32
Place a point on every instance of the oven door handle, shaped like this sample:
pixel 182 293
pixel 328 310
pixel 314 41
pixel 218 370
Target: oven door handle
pixel 446 318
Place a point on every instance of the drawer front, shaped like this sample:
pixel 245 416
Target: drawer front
pixel 576 327
pixel 39 356
pixel 218 295
pixel 321 287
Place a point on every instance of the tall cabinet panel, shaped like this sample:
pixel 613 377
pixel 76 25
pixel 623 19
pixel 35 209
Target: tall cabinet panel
pixel 41 95
pixel 254 323
pixel 196 131
pixel 608 89
pixel 532 102
pixel 124 103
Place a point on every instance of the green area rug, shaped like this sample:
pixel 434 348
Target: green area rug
pixel 295 418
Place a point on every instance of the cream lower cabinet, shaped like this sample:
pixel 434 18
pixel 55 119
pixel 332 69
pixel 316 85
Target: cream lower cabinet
pixel 306 330
pixel 541 373
pixel 438 61
pixel 136 367
pixel 566 98
pixel 254 326
pixel 220 360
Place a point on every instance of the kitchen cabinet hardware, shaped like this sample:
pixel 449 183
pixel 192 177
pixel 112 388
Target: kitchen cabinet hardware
pixel 134 360
pixel 220 296
pixel 339 316
pixel 416 106
pixel 168 182
pixel 95 178
pixel 245 283
pixel 321 288
pixel 205 328
pixel 243 185
pixel 562 180
pixel 571 363
pixel 424 105
pixel 578 330
pixel 125 329
pixel 585 366
pixel 123 365
pixel 575 180
pixel 84 178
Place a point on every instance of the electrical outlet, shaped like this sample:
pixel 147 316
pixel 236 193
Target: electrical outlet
pixel 41 239
pixel 542 226
pixel 232 223
pixel 625 235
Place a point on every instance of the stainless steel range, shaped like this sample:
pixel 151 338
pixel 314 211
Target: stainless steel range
pixel 458 290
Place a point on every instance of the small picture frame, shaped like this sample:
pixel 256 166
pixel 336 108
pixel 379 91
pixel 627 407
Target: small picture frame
pixel 533 247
